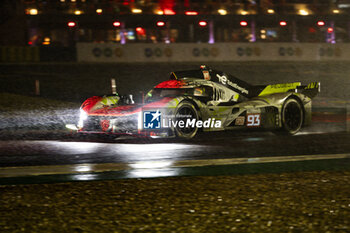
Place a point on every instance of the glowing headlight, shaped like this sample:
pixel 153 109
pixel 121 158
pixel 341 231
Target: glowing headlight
pixel 82 118
pixel 139 121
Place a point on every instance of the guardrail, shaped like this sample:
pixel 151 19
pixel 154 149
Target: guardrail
pixel 179 52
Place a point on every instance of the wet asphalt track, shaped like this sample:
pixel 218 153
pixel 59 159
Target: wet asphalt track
pixel 67 157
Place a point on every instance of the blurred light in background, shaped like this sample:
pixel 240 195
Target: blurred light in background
pixel 169 12
pixel 191 13
pixel 160 23
pixel 243 12
pixel 330 30
pixel 320 23
pixel 77 12
pixel 159 12
pixel 283 23
pixel 202 23
pixel 99 11
pixel 336 11
pixel 271 11
pixel 32 11
pixel 46 41
pixel 116 24
pixel 303 12
pixel 71 24
pixel 136 11
pixel 140 31
pixel 243 23
pixel 222 12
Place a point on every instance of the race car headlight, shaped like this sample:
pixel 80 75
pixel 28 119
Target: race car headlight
pixel 139 121
pixel 83 116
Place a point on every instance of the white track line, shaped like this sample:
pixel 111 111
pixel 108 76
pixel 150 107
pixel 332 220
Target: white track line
pixel 106 167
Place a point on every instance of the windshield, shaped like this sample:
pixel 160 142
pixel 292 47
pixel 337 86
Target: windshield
pixel 159 93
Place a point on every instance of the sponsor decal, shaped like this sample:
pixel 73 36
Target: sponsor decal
pixel 312 85
pixel 253 120
pixel 224 80
pixel 279 88
pixel 240 120
pixel 206 75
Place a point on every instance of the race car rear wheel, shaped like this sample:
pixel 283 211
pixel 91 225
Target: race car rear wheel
pixel 186 112
pixel 292 116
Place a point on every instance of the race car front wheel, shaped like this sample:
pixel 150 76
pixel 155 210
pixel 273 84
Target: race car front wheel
pixel 186 113
pixel 292 116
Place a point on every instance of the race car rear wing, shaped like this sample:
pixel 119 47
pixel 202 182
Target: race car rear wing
pixel 311 90
pixel 243 88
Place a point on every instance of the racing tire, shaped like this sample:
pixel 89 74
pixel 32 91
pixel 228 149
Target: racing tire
pixel 185 111
pixel 292 116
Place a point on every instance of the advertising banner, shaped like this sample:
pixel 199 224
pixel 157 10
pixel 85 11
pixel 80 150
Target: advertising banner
pixel 226 52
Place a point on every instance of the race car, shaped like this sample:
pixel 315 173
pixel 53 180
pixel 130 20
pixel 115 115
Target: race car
pixel 201 100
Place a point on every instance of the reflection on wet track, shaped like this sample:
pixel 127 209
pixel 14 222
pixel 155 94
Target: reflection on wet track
pixel 89 159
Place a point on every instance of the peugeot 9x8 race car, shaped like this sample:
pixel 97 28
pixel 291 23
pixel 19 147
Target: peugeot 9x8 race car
pixel 199 100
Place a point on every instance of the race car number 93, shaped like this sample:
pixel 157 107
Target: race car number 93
pixel 253 120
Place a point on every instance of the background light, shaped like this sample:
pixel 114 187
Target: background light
pixel 116 24
pixel 136 11
pixel 336 11
pixel 202 23
pixel 283 23
pixel 160 23
pixel 159 12
pixel 169 12
pixel 71 24
pixel 271 11
pixel 243 23
pixel 303 12
pixel 33 11
pixel 330 30
pixel 140 31
pixel 222 12
pixel 244 12
pixel 99 11
pixel 191 13
pixel 77 12
pixel 320 23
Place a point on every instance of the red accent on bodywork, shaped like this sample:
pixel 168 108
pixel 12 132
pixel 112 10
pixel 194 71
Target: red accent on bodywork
pixel 129 109
pixel 117 111
pixel 90 102
pixel 171 84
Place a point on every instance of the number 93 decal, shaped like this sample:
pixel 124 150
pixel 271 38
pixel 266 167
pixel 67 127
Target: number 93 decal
pixel 253 120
